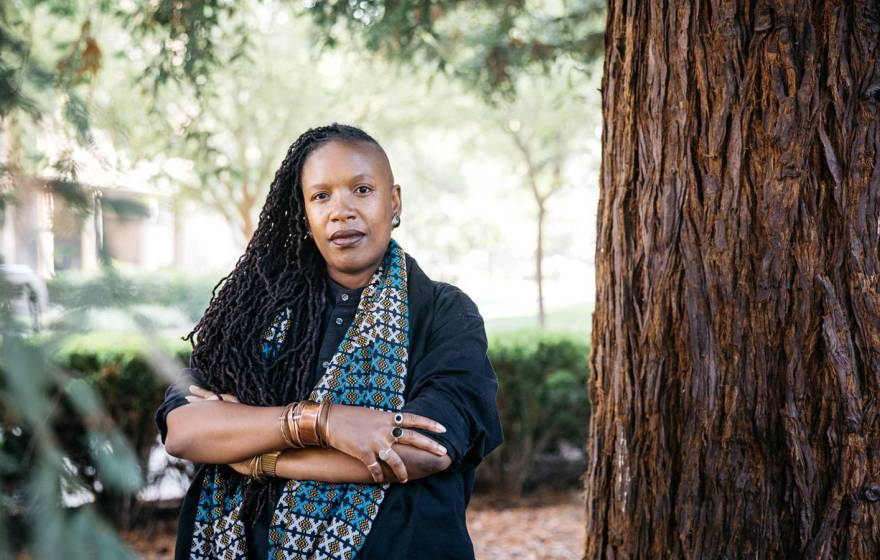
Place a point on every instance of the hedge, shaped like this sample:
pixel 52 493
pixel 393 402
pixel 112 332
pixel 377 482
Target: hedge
pixel 542 396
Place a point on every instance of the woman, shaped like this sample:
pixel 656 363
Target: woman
pixel 325 307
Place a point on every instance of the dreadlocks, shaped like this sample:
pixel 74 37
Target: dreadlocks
pixel 280 269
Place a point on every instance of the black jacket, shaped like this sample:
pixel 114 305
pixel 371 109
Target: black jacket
pixel 450 380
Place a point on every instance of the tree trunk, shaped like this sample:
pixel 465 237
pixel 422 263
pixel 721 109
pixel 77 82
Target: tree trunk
pixel 736 332
pixel 539 265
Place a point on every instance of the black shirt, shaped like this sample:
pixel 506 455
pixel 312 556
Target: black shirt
pixel 450 380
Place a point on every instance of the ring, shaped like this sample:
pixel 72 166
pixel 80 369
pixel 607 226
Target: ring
pixel 373 463
pixel 384 454
pixel 398 419
pixel 396 433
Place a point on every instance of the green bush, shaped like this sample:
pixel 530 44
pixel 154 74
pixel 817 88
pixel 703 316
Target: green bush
pixel 113 288
pixel 48 416
pixel 116 367
pixel 542 400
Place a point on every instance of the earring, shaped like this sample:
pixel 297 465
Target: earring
pixel 395 221
pixel 307 235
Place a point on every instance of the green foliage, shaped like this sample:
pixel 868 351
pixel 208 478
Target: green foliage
pixel 542 400
pixel 35 471
pixel 188 293
pixel 486 44
pixel 116 370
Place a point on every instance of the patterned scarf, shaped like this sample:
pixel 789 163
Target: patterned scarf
pixel 312 519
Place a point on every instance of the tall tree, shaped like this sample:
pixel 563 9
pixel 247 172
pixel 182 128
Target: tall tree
pixel 544 131
pixel 736 333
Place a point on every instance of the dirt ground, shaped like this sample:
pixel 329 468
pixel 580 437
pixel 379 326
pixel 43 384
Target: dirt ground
pixel 539 527
pixel 542 527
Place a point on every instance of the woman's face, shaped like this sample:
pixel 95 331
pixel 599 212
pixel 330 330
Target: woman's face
pixel 350 200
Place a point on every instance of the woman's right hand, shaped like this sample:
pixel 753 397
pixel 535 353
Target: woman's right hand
pixel 362 432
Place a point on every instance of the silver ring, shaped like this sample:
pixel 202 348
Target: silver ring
pixel 398 419
pixel 397 433
pixel 384 454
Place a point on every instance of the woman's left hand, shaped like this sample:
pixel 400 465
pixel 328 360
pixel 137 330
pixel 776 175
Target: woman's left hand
pixel 199 394
pixel 242 467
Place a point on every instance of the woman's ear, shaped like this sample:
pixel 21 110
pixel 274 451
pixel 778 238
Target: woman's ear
pixel 396 199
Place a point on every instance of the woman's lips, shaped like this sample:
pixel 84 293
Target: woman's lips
pixel 347 240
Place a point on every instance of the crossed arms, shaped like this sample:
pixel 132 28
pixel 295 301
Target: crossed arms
pixel 215 431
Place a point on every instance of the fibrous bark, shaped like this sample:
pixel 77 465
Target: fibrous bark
pixel 736 332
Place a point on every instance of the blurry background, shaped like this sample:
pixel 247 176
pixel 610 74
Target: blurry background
pixel 137 145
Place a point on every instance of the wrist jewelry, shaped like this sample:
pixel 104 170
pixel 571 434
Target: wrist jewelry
pixel 264 465
pixel 269 463
pixel 323 420
pixel 304 423
pixel 289 420
pixel 308 423
pixel 257 469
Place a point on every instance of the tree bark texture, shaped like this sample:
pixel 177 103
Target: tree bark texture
pixel 736 332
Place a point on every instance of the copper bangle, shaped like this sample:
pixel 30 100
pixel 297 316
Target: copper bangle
pixel 293 419
pixel 308 423
pixel 323 418
pixel 257 469
pixel 285 426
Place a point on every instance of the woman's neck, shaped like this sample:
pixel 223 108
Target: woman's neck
pixel 351 281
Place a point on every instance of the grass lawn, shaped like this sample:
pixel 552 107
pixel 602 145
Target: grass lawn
pixel 572 319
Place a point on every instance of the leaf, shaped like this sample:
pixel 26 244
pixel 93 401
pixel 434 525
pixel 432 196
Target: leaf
pixel 115 460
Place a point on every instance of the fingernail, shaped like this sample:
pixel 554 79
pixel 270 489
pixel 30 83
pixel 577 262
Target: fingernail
pixel 442 429
pixel 404 480
pixel 442 449
pixel 190 399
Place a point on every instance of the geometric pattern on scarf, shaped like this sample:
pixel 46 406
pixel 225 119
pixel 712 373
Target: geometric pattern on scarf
pixel 313 519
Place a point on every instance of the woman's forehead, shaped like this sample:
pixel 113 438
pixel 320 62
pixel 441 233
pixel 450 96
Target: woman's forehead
pixel 338 161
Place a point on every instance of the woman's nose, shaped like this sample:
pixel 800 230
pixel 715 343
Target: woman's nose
pixel 341 208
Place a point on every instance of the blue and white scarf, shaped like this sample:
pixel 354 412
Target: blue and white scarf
pixel 312 519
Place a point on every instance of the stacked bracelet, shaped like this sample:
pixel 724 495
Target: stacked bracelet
pixel 304 423
pixel 264 465
pixel 290 425
pixel 323 420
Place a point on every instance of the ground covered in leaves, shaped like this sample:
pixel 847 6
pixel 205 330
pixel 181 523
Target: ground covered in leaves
pixel 537 527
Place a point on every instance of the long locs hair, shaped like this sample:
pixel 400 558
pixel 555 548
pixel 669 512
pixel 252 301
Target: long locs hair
pixel 281 269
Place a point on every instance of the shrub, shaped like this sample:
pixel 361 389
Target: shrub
pixel 542 400
pixel 116 367
pixel 112 288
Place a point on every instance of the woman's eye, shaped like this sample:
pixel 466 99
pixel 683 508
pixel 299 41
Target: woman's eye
pixel 366 188
pixel 318 196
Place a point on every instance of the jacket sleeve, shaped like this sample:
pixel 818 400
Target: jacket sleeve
pixel 175 395
pixel 454 382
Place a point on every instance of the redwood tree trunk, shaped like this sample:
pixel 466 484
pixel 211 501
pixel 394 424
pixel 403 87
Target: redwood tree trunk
pixel 736 333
